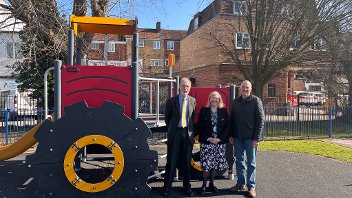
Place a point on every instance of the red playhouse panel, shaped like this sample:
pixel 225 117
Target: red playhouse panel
pixel 201 94
pixel 96 84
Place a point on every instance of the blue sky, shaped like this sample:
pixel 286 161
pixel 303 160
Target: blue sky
pixel 173 14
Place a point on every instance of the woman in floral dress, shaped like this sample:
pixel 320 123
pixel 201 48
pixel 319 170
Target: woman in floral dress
pixel 213 136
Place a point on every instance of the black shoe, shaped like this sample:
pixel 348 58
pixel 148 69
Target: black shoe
pixel 213 189
pixel 202 190
pixel 189 192
pixel 166 192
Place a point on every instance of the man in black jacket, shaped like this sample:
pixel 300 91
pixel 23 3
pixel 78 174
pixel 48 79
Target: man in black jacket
pixel 246 125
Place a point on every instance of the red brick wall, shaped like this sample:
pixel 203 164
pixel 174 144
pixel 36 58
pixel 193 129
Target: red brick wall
pixel 299 85
pixel 228 74
pixel 120 53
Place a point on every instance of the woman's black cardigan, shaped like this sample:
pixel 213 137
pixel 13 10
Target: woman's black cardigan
pixel 205 128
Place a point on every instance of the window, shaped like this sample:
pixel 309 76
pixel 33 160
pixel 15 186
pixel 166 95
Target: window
pixel 156 62
pixel 170 45
pixel 94 46
pixel 111 47
pixel 314 87
pixel 13 50
pixel 271 90
pixel 240 8
pixel 156 44
pixel 319 45
pixel 242 40
pixel 141 43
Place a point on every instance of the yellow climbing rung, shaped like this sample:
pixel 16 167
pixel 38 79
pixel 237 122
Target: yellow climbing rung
pixel 103 25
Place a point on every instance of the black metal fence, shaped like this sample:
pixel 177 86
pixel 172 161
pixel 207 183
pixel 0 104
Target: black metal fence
pixel 307 121
pixel 281 122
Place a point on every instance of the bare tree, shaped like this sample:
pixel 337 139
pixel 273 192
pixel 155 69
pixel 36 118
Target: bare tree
pixel 268 36
pixel 44 37
pixel 341 57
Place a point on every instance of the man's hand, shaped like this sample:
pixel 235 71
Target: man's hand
pixel 255 143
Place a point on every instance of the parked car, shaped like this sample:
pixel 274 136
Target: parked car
pixel 319 98
pixel 305 98
pixel 310 98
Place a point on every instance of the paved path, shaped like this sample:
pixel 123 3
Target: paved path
pixel 288 175
pixel 342 142
pixel 280 175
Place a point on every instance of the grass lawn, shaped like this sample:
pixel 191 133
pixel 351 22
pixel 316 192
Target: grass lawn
pixel 315 147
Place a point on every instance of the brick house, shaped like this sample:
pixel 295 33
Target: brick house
pixel 208 65
pixel 154 46
pixel 116 51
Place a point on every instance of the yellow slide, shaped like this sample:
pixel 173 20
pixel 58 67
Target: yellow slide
pixel 20 146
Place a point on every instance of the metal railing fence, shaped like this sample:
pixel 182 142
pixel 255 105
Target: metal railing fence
pixel 307 122
pixel 281 122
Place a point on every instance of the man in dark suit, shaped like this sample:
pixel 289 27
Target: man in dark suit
pixel 179 115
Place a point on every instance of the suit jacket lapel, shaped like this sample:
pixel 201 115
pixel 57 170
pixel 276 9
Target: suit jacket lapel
pixel 190 107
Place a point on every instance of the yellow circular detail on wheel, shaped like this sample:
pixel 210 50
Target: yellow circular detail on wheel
pixel 80 184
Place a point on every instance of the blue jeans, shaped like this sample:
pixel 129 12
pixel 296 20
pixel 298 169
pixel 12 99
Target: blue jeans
pixel 243 146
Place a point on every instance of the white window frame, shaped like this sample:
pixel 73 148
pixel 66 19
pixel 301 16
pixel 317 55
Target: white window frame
pixel 170 45
pixel 94 45
pixel 240 8
pixel 272 90
pixel 244 35
pixel 111 47
pixel 319 45
pixel 141 43
pixel 156 62
pixel 156 44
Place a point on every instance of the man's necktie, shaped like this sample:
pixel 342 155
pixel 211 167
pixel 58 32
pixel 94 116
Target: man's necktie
pixel 183 115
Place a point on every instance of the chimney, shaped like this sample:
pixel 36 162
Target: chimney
pixel 158 26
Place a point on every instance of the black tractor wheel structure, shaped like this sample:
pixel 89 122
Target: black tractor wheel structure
pixel 53 165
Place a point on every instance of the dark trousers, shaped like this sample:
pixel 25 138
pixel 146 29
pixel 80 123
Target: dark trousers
pixel 179 151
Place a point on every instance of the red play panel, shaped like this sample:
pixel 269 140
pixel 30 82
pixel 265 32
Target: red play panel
pixel 201 95
pixel 96 84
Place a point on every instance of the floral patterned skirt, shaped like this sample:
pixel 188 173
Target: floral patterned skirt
pixel 212 156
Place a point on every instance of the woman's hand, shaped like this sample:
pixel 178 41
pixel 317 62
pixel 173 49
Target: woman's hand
pixel 214 140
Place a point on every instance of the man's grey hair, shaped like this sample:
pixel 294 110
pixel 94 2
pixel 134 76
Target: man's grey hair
pixel 246 82
pixel 186 79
